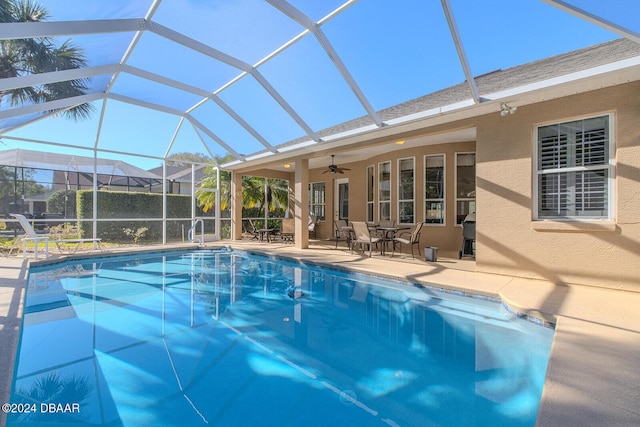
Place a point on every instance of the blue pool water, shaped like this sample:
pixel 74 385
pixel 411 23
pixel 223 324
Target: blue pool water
pixel 228 338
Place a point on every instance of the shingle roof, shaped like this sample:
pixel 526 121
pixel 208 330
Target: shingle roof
pixel 180 173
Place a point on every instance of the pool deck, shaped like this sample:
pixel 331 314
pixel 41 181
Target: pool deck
pixel 593 377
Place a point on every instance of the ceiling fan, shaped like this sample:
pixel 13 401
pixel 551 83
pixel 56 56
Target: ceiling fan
pixel 333 168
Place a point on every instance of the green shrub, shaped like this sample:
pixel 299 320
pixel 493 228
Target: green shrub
pixel 117 205
pixel 57 200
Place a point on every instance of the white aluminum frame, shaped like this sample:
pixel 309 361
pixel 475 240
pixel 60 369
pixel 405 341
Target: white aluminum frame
pixel 611 167
pixel 444 190
pixel 398 181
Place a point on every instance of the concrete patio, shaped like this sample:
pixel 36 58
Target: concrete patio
pixel 593 377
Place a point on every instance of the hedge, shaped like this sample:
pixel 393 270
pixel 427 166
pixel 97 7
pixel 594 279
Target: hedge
pixel 117 204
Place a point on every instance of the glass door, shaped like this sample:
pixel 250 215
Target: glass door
pixel 341 193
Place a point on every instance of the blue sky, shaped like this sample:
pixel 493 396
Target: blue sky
pixel 395 51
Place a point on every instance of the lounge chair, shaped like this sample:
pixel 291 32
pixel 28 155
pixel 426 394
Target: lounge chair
pixel 362 236
pixel 408 239
pixel 287 232
pixel 36 238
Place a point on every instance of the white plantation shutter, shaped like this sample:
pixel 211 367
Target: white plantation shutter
pixel 573 169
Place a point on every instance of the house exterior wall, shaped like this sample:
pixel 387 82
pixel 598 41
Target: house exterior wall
pixel 509 241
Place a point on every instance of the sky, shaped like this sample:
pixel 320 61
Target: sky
pixel 395 51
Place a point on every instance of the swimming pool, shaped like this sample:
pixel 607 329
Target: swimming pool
pixel 233 338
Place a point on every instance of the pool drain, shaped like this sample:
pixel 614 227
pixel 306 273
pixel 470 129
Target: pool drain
pixel 348 397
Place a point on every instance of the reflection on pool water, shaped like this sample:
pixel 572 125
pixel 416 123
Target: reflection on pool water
pixel 230 338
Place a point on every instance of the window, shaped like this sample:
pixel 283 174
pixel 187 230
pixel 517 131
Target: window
pixel 406 190
pixel 434 174
pixel 465 185
pixel 317 199
pixel 384 191
pixel 370 193
pixel 573 169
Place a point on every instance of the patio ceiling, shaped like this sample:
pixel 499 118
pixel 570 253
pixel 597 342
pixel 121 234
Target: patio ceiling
pixel 270 80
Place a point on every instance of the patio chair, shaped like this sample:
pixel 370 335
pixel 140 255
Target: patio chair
pixel 250 228
pixel 341 232
pixel 313 225
pixel 287 232
pixel 36 238
pixel 361 235
pixel 408 239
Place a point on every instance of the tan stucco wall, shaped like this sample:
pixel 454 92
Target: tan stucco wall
pixel 510 242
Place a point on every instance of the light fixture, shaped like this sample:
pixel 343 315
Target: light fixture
pixel 400 142
pixel 506 109
pixel 287 165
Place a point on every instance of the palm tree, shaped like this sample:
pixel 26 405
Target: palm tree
pixel 253 192
pixel 39 55
pixel 273 195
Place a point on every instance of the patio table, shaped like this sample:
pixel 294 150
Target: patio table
pixel 265 233
pixel 388 233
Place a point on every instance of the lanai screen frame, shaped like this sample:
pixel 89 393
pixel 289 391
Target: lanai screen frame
pixel 146 24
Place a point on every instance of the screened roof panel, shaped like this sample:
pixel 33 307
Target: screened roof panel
pixel 15 122
pixel 396 53
pixel 621 12
pixel 127 128
pixel 239 134
pixel 154 92
pixel 282 71
pixel 73 10
pixel 493 43
pixel 56 130
pixel 224 127
pixel 317 10
pixel 213 147
pixel 188 141
pixel 169 59
pixel 249 30
pixel 306 77
pixel 249 99
pixel 101 49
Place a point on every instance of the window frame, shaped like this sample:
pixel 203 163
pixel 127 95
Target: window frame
pixel 322 204
pixel 455 181
pixel 371 191
pixel 444 191
pixel 399 201
pixel 608 166
pixel 380 200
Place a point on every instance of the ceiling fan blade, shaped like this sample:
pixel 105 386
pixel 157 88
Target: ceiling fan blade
pixel 325 171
